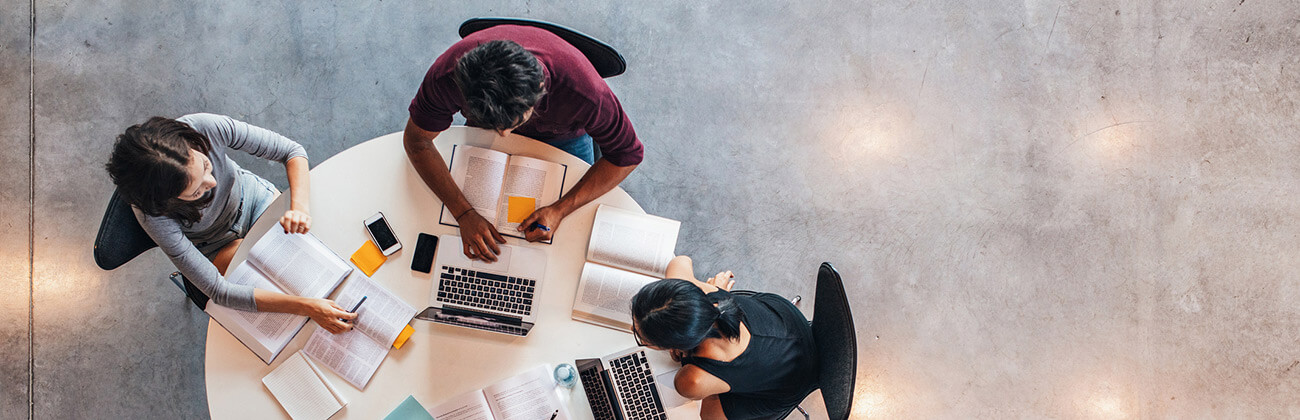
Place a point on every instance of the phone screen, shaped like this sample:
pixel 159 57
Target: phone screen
pixel 384 236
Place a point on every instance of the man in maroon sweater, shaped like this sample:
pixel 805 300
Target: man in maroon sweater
pixel 531 82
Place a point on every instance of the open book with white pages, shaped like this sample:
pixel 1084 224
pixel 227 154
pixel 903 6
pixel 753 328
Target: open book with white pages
pixel 355 355
pixel 298 385
pixel 289 263
pixel 627 250
pixel 503 188
pixel 531 395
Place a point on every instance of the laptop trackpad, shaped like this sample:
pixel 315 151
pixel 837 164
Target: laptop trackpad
pixel 502 264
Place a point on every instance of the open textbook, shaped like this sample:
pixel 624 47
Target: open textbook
pixel 503 188
pixel 355 355
pixel 289 263
pixel 528 396
pixel 627 250
pixel 302 390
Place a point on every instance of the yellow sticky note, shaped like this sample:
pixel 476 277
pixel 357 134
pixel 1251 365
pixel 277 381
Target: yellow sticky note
pixel 368 258
pixel 519 208
pixel 403 336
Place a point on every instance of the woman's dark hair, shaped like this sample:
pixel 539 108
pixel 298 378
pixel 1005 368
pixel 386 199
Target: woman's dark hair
pixel 149 166
pixel 500 82
pixel 676 314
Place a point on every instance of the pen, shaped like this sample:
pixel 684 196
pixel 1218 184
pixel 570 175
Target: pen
pixel 557 412
pixel 539 226
pixel 358 305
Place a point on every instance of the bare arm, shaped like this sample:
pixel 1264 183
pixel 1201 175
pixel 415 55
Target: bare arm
pixel 479 237
pixel 602 177
pixel 324 311
pixel 298 218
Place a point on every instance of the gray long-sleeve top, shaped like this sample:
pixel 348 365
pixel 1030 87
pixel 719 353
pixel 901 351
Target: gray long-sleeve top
pixel 178 241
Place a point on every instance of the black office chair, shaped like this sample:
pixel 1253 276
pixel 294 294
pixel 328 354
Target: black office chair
pixel 121 239
pixel 837 345
pixel 607 61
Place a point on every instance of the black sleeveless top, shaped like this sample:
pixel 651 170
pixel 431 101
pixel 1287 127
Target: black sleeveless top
pixel 780 364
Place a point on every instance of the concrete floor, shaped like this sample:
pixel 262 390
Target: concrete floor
pixel 1046 209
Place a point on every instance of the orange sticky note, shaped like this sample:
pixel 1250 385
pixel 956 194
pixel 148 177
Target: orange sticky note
pixel 368 258
pixel 519 208
pixel 403 336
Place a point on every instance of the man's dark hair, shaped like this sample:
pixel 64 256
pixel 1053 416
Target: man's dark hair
pixel 149 166
pixel 500 82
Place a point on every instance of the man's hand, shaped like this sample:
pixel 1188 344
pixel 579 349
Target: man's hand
pixel 548 216
pixel 479 237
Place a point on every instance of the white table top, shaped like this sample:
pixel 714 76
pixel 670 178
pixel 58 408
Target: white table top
pixel 439 361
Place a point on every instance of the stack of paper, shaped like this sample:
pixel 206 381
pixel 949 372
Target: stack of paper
pixel 302 390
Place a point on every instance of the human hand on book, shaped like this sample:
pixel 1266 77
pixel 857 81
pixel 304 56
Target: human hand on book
pixel 329 315
pixel 723 280
pixel 295 221
pixel 479 237
pixel 548 216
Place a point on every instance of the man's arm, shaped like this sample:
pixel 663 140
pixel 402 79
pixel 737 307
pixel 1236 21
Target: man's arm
pixel 602 177
pixel 478 236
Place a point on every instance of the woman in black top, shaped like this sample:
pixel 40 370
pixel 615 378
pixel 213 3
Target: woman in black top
pixel 745 356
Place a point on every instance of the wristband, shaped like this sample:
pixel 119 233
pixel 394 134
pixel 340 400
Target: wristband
pixel 463 213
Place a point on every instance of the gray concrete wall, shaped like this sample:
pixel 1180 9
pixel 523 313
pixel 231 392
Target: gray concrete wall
pixel 1041 209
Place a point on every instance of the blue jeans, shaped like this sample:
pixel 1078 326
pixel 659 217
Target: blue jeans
pixel 580 146
pixel 258 193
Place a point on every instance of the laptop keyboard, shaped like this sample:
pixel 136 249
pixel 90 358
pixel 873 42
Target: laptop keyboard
pixel 597 397
pixel 486 290
pixel 636 384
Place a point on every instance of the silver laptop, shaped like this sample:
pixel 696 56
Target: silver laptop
pixel 622 386
pixel 497 297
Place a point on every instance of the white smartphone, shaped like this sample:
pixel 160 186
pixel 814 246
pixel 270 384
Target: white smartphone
pixel 380 232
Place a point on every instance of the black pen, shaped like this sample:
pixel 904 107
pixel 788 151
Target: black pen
pixel 355 307
pixel 557 412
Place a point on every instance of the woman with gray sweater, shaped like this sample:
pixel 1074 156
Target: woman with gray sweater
pixel 197 204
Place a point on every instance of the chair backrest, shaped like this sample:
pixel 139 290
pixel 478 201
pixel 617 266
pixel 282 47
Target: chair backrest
pixel 607 61
pixel 120 236
pixel 837 344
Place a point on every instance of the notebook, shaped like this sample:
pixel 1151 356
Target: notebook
pixel 302 390
pixel 503 188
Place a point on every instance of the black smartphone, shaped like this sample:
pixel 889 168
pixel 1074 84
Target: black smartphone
pixel 424 248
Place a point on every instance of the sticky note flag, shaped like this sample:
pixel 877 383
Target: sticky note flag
pixel 368 258
pixel 519 208
pixel 403 336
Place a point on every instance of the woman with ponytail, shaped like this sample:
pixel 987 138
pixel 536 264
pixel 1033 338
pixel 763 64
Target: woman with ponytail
pixel 745 356
pixel 197 204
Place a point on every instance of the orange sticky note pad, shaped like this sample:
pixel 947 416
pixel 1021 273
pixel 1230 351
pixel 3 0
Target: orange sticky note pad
pixel 403 336
pixel 368 258
pixel 519 208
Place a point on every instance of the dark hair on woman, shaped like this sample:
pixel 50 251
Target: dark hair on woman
pixel 676 314
pixel 149 165
pixel 500 82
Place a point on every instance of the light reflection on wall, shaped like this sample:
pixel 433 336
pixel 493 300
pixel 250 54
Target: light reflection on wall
pixel 868 405
pixel 859 134
pixel 1110 140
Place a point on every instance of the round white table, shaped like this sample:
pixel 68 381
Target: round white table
pixel 439 361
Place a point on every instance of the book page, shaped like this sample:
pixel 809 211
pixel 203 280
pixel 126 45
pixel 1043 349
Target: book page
pixel 527 396
pixel 635 242
pixel 298 262
pixel 467 406
pixel 303 393
pixel 352 355
pixel 382 316
pixel 606 293
pixel 271 329
pixel 534 180
pixel 479 173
